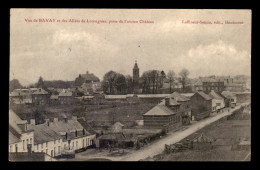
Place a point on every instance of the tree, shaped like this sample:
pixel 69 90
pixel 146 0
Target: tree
pixel 14 84
pixel 171 77
pixel 151 78
pixel 184 73
pixel 129 84
pixel 109 81
pixel 120 83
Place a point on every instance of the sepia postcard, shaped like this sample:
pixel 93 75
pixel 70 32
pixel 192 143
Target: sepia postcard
pixel 130 85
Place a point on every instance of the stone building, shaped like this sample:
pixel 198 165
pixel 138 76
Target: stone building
pixel 201 105
pixel 40 97
pixel 136 77
pixel 166 115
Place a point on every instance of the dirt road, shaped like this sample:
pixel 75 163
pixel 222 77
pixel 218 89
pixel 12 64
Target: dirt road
pixel 158 146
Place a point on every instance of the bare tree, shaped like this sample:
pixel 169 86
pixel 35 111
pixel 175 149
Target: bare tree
pixel 171 76
pixel 184 73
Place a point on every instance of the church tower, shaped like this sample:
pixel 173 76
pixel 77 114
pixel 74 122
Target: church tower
pixel 136 75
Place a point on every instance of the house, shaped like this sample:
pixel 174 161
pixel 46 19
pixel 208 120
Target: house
pixel 65 97
pixel 40 97
pixel 231 98
pixel 15 98
pixel 198 84
pixel 88 83
pixel 19 135
pixel 74 135
pixel 54 99
pixel 217 86
pixel 201 105
pixel 185 106
pixel 165 115
pixel 218 102
pixel 46 139
pixel 116 127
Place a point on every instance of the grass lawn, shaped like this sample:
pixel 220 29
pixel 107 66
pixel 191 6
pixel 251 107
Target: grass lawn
pixel 228 129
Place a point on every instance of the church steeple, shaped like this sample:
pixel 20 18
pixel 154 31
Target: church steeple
pixel 136 74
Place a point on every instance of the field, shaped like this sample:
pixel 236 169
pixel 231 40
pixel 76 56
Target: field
pixel 126 114
pixel 227 132
pixel 97 115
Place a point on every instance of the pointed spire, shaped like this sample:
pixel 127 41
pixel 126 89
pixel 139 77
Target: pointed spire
pixel 136 66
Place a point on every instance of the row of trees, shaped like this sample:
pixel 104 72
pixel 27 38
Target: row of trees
pixel 116 83
pixel 150 82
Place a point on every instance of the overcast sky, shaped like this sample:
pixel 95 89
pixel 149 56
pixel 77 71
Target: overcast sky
pixel 62 51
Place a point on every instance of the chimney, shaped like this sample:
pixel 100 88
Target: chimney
pixel 74 118
pixel 65 119
pixel 32 121
pixel 55 119
pixel 167 101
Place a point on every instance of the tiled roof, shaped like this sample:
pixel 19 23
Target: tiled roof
pixel 69 126
pixel 65 94
pixel 13 120
pixel 178 97
pixel 160 110
pixel 40 91
pixel 118 124
pixel 153 95
pixel 227 94
pixel 204 95
pixel 187 94
pixel 43 133
pixel 214 95
pixel 14 94
pixel 12 138
pixel 89 77
pixel 86 126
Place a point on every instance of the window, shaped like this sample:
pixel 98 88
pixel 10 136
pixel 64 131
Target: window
pixel 59 149
pixel 27 142
pixel 31 141
pixel 77 144
pixel 64 146
pixel 46 144
pixel 10 148
pixel 54 151
pixel 42 145
pixel 16 148
pixel 23 145
pixel 72 144
pixel 46 151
